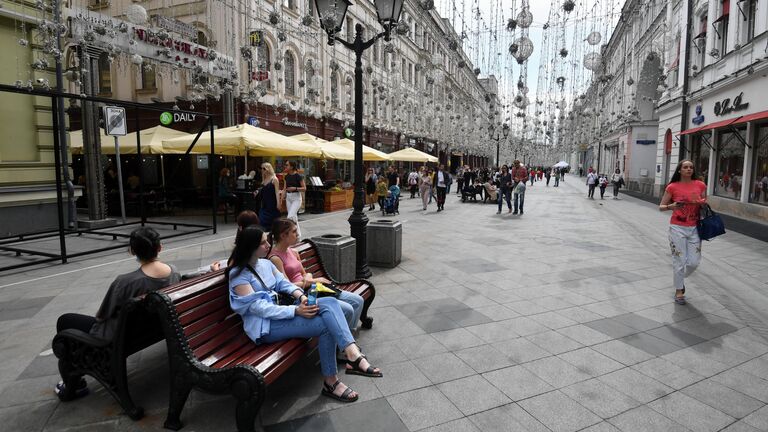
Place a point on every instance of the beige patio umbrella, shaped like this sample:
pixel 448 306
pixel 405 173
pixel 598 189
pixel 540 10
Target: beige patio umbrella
pixel 330 149
pixel 411 155
pixel 151 141
pixel 369 153
pixel 245 140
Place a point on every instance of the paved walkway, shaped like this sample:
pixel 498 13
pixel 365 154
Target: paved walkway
pixel 559 320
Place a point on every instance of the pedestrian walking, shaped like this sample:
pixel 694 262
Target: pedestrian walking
pixel 441 181
pixel 460 179
pixel 269 194
pixel 548 175
pixel 532 174
pixel 370 188
pixel 294 186
pixel 557 177
pixel 602 182
pixel 505 188
pixel 425 186
pixel 591 184
pixel 684 195
pixel 519 176
pixel 392 178
pixel 381 190
pixel 618 181
pixel 413 182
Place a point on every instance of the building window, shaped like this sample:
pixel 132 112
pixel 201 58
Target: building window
pixel 202 39
pixel 376 52
pixel 263 64
pixel 105 74
pixel 730 161
pixel 700 42
pixel 375 104
pixel 289 78
pixel 334 90
pixel 699 155
pixel 350 30
pixel 309 72
pixel 147 76
pixel 290 4
pixel 758 193
pixel 751 8
pixel 350 96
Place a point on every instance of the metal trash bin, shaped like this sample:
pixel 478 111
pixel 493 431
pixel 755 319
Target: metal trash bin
pixel 385 243
pixel 338 254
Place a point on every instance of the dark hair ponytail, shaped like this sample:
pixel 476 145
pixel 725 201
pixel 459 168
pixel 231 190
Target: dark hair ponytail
pixel 145 243
pixel 280 228
pixel 246 243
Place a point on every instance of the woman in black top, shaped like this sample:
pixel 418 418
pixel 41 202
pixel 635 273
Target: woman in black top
pixel 370 188
pixel 150 276
pixel 269 196
pixel 505 191
pixel 294 186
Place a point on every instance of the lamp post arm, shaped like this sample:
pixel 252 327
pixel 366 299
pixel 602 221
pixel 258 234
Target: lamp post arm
pixel 364 45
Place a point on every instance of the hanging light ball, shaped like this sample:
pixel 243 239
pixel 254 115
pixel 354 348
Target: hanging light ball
pixel 137 59
pixel 511 24
pixel 593 61
pixel 594 38
pixel 513 48
pixel 524 49
pixel 136 14
pixel 569 5
pixel 563 52
pixel 524 18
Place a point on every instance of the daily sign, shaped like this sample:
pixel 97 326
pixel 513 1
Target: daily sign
pixel 167 118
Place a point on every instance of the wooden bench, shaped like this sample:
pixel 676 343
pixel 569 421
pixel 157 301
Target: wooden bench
pixel 209 351
pixel 80 354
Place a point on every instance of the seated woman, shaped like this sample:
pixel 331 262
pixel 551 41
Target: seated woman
pixel 253 287
pixel 284 234
pixel 151 275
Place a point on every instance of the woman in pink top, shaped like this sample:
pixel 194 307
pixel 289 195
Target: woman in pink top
pixel 284 234
pixel 684 195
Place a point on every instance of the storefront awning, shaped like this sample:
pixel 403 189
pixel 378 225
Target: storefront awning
pixel 726 12
pixel 762 115
pixel 710 126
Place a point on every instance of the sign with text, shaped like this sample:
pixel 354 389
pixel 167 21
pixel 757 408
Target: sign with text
pixel 109 34
pixel 114 121
pixel 727 106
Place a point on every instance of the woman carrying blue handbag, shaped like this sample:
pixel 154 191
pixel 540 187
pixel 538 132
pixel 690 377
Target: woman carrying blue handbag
pixel 684 195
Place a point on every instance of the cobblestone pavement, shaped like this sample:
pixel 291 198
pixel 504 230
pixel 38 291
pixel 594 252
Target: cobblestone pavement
pixel 559 320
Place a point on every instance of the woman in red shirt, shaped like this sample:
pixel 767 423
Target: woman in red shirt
pixel 684 195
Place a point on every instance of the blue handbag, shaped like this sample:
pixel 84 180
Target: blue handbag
pixel 710 225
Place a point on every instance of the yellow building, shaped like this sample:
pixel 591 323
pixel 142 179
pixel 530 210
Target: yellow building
pixel 27 189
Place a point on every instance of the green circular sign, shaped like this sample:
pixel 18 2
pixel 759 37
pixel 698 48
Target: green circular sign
pixel 349 132
pixel 166 118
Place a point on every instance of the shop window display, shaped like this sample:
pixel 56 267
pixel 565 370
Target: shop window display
pixel 700 157
pixel 759 188
pixel 730 162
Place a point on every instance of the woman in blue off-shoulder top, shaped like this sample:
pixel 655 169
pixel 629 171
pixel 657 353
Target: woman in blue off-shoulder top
pixel 254 284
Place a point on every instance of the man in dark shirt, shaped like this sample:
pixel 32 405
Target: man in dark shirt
pixel 392 178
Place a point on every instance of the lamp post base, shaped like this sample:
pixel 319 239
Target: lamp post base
pixel 358 227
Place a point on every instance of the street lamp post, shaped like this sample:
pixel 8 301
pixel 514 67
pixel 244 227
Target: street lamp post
pixel 331 14
pixel 494 135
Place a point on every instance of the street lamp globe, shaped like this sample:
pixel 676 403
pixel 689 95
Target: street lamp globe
pixel 505 130
pixel 389 14
pixel 331 14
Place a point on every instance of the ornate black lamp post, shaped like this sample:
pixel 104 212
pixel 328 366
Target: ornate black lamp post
pixel 497 136
pixel 332 13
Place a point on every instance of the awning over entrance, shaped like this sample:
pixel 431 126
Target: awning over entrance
pixel 762 115
pixel 710 126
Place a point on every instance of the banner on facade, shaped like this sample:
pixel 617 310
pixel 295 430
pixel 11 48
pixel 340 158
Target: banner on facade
pixel 114 35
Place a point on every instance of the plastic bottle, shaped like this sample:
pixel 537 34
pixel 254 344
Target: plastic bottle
pixel 312 295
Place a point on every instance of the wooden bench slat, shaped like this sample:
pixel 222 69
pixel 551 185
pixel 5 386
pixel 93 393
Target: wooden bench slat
pixel 225 350
pixel 205 297
pixel 205 336
pixel 219 342
pixel 204 309
pixel 208 322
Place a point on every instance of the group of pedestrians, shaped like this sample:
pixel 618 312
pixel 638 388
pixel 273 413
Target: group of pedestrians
pixel 601 181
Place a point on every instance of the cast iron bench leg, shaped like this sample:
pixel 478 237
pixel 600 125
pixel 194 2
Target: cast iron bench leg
pixel 178 397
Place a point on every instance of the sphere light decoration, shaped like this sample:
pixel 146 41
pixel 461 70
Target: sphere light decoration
pixel 136 14
pixel 524 49
pixel 594 38
pixel 524 18
pixel 593 61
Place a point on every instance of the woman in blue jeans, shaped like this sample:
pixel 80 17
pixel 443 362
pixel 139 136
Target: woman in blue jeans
pixel 253 287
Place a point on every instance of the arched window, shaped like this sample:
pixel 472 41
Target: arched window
pixel 350 93
pixel 309 74
pixel 290 74
pixel 202 38
pixel 334 90
pixel 263 64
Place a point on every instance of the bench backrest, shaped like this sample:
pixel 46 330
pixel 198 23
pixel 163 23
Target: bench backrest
pixel 310 258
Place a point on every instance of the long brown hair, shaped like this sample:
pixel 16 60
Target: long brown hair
pixel 280 227
pixel 676 175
